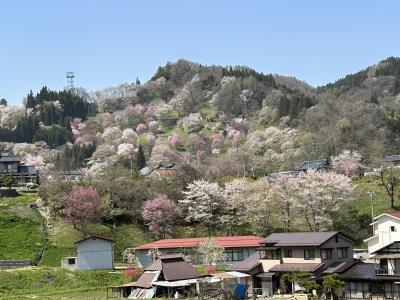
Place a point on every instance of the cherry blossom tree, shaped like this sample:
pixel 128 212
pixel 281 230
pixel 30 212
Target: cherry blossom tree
pixel 201 203
pixel 282 193
pixel 82 207
pixel 319 195
pixel 160 214
pixel 210 251
pixel 348 162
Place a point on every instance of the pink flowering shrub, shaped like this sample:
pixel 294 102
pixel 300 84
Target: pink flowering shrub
pixel 174 140
pixel 216 140
pixel 141 128
pixel 140 108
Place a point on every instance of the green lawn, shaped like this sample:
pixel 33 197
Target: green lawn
pixel 20 228
pixel 363 201
pixel 56 283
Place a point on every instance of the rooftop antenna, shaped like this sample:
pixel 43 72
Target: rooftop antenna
pixel 70 80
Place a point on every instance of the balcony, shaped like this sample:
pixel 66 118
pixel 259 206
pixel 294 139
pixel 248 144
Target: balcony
pixel 387 272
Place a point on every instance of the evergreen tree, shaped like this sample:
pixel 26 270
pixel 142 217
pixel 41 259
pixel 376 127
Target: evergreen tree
pixel 3 102
pixel 137 81
pixel 141 159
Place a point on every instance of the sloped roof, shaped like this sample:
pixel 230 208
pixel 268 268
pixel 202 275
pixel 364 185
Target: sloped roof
pixel 248 263
pixel 311 165
pixel 360 271
pixel 391 158
pixel 173 267
pixel 290 267
pixel 10 158
pixel 225 241
pixel 145 280
pixel 299 238
pixel 97 236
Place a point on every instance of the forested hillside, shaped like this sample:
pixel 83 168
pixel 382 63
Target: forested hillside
pixel 220 121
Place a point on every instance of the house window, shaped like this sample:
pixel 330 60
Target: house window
pixel 336 238
pixel 309 254
pixel 342 252
pixel 392 228
pixel 71 261
pixel 234 255
pixel 288 253
pixel 326 254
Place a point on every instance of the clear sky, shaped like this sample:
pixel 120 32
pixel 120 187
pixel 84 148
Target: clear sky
pixel 114 41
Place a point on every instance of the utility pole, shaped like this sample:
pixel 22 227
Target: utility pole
pixel 372 195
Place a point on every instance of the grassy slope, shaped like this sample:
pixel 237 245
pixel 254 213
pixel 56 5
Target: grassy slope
pixel 45 282
pixel 20 229
pixel 363 201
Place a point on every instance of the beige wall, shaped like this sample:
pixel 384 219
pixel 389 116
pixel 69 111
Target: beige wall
pixel 269 263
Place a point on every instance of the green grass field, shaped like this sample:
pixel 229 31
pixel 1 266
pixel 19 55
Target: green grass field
pixel 20 228
pixel 56 283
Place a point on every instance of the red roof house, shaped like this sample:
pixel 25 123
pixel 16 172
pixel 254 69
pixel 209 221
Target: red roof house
pixel 237 248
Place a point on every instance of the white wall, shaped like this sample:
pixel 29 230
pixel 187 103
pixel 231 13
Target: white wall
pixel 95 254
pixel 383 236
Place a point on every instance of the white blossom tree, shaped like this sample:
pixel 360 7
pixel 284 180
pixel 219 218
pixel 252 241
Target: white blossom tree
pixel 201 203
pixel 210 251
pixel 319 195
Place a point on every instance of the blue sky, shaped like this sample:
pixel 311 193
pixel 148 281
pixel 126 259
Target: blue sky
pixel 110 42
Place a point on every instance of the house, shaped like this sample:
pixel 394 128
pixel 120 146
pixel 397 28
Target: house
pixel 237 248
pixel 317 165
pixel 93 253
pixel 165 170
pixel 165 276
pixel 379 280
pixel 11 165
pixel 318 253
pixel 271 177
pixel 392 159
pixel 70 175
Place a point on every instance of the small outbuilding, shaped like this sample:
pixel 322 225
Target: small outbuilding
pixel 95 253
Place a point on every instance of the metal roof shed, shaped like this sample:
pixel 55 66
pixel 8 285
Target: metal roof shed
pixel 95 253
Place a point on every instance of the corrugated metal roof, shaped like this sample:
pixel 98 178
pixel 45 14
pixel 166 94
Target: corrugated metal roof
pixel 290 267
pixel 178 269
pixel 145 280
pixel 97 236
pixel 173 267
pixel 299 238
pixel 226 242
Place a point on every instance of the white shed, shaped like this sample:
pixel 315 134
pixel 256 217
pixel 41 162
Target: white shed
pixel 95 253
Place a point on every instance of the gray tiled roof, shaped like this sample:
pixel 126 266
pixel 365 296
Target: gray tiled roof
pixel 290 267
pixel 299 238
pixel 10 158
pixel 247 264
pixel 391 158
pixel 312 165
pixel 360 271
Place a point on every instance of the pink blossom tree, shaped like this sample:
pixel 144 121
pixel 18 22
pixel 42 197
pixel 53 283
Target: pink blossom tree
pixel 175 140
pixel 82 207
pixel 141 128
pixel 348 162
pixel 160 214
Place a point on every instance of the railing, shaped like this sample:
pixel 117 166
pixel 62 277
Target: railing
pixel 389 272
